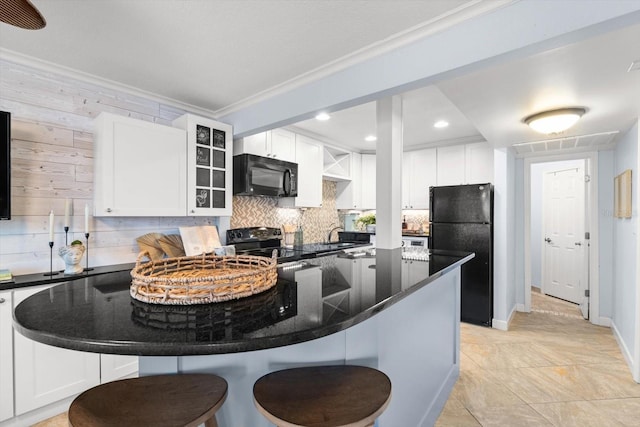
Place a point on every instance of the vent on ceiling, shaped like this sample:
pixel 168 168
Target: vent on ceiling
pixel 594 141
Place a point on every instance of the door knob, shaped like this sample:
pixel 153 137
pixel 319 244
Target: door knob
pixel 548 240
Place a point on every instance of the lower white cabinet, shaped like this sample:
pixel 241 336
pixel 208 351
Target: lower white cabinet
pixel 46 374
pixel 6 356
pixel 413 271
pixel 34 375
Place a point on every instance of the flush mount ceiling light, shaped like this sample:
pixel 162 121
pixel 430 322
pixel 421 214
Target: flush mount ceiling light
pixel 554 121
pixel 21 13
pixel 370 138
pixel 441 124
pixel 322 117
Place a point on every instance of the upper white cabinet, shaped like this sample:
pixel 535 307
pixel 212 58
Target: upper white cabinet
pixel 277 143
pixel 465 164
pixel 451 161
pixel 146 169
pixel 209 166
pixel 140 168
pixel 479 163
pixel 337 164
pixel 309 159
pixel 418 174
pixel 6 356
pixel 368 179
pixel 349 193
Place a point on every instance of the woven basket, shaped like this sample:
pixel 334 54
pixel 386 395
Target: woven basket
pixel 201 279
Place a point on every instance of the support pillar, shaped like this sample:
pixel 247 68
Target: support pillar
pixel 389 173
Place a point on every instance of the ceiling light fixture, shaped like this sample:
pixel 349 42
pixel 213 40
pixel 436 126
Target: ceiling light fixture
pixel 323 117
pixel 554 121
pixel 21 13
pixel 371 138
pixel 441 124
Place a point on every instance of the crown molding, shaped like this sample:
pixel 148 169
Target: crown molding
pixel 39 64
pixel 453 17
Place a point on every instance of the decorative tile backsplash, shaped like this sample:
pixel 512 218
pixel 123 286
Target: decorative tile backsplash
pixel 249 211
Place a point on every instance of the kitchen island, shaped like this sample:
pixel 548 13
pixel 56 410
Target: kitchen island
pixel 386 310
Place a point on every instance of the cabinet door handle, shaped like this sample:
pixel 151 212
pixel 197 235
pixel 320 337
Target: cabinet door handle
pixel 2 300
pixel 109 210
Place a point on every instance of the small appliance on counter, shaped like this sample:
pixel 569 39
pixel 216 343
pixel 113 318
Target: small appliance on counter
pixel 264 176
pixel 462 220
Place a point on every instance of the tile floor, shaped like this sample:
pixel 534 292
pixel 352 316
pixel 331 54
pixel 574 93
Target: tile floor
pixel 552 368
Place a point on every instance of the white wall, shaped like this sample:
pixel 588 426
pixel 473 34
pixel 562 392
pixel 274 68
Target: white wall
pixel 625 236
pixel 605 235
pixel 504 290
pixel 52 159
pixel 537 173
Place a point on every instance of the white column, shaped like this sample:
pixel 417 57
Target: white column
pixel 389 173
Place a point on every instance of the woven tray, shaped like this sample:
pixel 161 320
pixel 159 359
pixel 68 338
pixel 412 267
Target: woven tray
pixel 201 279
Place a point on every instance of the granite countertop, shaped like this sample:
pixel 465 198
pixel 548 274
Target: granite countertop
pixel 312 298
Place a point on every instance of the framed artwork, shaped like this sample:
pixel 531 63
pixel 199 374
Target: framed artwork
pixel 622 195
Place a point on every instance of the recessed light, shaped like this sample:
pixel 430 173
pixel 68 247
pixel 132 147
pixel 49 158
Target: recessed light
pixel 370 138
pixel 441 124
pixel 323 116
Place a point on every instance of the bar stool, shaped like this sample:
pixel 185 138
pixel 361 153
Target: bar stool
pixel 161 400
pixel 323 396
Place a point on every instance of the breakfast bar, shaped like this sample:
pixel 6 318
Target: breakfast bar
pixel 393 310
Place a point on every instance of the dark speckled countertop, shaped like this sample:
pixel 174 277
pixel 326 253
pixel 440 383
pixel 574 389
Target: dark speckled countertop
pixel 97 314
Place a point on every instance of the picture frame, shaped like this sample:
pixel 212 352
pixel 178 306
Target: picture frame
pixel 622 195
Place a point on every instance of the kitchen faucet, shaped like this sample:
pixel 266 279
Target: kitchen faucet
pixel 331 231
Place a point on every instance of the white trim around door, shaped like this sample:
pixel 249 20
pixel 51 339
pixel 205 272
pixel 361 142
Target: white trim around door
pixel 591 166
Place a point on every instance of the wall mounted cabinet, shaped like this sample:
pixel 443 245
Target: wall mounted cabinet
pixel 277 143
pixel 465 164
pixel 368 179
pixel 309 154
pixel 349 193
pixel 146 169
pixel 209 166
pixel 337 164
pixel 418 174
pixel 140 168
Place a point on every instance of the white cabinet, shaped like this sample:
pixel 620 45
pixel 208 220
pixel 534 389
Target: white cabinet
pixel 6 356
pixel 139 168
pixel 46 374
pixel 478 163
pixel 465 164
pixel 276 143
pixel 451 163
pixel 309 159
pixel 418 174
pixel 413 272
pixel 115 366
pixel 209 166
pixel 349 193
pixel 368 179
pixel 337 164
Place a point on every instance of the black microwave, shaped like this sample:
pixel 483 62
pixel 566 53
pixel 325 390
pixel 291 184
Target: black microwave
pixel 263 176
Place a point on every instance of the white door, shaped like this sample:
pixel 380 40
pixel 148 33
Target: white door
pixel 564 272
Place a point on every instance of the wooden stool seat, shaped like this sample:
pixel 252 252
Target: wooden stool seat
pixel 161 400
pixel 323 396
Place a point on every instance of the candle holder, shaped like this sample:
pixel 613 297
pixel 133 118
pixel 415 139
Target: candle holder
pixel 51 272
pixel 87 253
pixel 66 235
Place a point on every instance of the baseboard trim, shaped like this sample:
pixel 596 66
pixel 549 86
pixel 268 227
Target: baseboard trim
pixel 437 405
pixel 623 347
pixel 520 307
pixel 503 325
pixel 602 321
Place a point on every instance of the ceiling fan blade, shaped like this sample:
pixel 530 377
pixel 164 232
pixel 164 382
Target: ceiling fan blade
pixel 21 13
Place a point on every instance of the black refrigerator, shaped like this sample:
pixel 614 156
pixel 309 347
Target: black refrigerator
pixel 461 219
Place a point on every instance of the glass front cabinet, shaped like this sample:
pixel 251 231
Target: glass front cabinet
pixel 209 165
